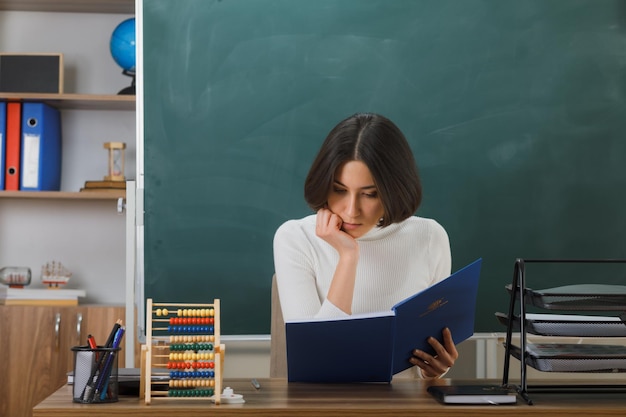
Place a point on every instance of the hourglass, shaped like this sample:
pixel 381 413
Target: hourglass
pixel 116 161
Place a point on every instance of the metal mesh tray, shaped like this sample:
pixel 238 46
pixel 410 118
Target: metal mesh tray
pixel 568 325
pixel 582 297
pixel 564 357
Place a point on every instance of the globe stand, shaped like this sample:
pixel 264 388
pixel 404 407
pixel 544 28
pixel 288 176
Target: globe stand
pixel 130 90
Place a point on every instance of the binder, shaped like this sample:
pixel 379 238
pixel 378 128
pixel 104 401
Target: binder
pixel 3 136
pixel 374 347
pixel 41 148
pixel 12 146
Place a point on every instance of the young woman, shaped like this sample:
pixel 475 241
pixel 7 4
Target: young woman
pixel 364 250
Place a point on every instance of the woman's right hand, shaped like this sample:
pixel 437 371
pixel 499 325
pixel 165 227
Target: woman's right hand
pixel 328 228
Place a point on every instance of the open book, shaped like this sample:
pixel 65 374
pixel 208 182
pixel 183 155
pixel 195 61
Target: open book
pixel 374 347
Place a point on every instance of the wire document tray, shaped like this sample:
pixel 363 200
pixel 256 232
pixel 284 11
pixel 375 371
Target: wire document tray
pixel 565 357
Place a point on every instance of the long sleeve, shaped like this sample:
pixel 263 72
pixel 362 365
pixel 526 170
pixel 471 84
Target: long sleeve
pixel 440 255
pixel 296 263
pixel 395 262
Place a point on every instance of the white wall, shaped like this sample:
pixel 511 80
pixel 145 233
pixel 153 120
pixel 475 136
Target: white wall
pixel 88 237
pixel 83 38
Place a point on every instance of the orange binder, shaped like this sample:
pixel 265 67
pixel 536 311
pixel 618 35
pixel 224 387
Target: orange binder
pixel 13 145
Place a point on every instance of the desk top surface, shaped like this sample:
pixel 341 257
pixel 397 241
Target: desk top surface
pixel 276 397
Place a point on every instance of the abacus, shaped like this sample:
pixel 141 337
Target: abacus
pixel 183 352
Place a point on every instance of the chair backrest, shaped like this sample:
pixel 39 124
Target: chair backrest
pixel 278 345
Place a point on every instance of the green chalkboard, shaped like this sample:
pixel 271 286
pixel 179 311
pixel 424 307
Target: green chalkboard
pixel 516 112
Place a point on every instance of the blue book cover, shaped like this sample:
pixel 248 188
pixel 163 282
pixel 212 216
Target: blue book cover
pixel 41 148
pixel 374 347
pixel 3 140
pixel 342 350
pixel 449 303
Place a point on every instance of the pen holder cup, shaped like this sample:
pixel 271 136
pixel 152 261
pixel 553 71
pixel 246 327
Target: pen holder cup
pixel 95 375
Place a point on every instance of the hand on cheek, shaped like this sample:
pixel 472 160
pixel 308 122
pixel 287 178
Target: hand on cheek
pixel 328 228
pixel 327 223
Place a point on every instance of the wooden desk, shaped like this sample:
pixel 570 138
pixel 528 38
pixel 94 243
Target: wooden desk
pixel 278 398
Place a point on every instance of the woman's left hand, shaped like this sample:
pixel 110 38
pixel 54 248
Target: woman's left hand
pixel 445 356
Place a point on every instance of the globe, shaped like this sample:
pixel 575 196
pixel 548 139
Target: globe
pixel 123 45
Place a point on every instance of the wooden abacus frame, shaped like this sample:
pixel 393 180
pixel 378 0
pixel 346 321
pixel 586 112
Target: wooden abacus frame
pixel 157 348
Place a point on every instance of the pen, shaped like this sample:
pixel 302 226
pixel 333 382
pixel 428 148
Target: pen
pixel 92 342
pixel 116 327
pixel 88 393
pixel 103 380
pixel 255 383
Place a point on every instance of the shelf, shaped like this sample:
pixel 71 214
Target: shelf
pixel 70 6
pixel 64 195
pixel 77 101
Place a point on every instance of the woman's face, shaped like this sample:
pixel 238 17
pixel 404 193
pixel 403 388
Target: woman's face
pixel 355 199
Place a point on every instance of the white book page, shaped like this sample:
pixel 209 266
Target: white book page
pixel 351 317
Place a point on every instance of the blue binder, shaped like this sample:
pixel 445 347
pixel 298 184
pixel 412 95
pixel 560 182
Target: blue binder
pixel 3 140
pixel 373 348
pixel 41 148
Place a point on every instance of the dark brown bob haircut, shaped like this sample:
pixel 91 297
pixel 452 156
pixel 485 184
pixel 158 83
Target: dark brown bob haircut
pixel 378 143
